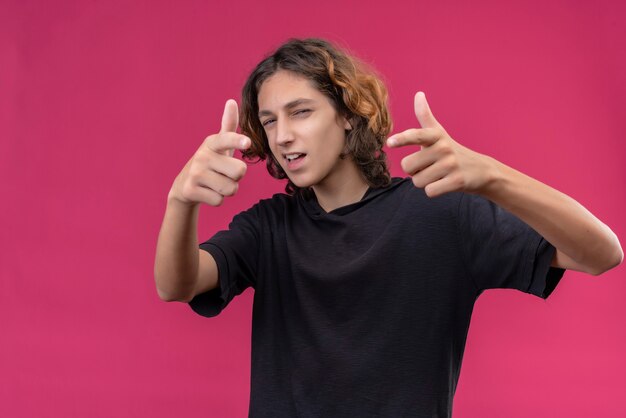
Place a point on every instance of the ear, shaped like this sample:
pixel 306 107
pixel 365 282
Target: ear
pixel 347 125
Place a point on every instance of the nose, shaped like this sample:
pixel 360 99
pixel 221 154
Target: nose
pixel 284 132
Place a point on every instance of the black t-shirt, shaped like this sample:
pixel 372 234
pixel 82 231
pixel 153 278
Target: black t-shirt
pixel 364 311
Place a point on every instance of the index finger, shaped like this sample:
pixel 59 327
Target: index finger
pixel 227 142
pixel 415 136
pixel 230 117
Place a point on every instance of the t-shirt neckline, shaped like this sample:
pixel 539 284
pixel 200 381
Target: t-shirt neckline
pixel 314 209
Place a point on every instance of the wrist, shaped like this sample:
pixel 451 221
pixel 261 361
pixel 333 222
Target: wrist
pixel 173 200
pixel 495 178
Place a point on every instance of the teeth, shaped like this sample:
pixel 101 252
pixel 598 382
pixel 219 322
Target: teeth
pixel 291 157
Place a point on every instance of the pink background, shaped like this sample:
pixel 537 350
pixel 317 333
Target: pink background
pixel 102 103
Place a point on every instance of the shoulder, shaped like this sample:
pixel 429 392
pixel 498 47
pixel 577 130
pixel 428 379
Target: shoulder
pixel 277 202
pixel 267 209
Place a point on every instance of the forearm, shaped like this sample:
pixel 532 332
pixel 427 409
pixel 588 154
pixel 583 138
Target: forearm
pixel 561 220
pixel 176 262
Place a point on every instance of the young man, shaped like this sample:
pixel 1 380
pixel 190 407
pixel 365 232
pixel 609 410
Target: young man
pixel 364 284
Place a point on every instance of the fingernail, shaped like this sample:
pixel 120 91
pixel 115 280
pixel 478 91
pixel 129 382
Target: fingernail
pixel 392 141
pixel 244 142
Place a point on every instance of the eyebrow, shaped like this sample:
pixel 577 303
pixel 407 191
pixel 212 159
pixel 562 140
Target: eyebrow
pixel 289 105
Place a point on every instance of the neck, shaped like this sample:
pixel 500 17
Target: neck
pixel 344 188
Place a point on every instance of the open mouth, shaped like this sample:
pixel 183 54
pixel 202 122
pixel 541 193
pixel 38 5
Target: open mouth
pixel 294 159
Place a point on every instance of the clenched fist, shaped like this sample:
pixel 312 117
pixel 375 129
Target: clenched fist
pixel 213 173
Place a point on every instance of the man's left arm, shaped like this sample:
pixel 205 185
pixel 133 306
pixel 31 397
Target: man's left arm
pixel 582 241
pixel 442 165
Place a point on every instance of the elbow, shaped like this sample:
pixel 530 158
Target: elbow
pixel 172 297
pixel 170 290
pixel 165 296
pixel 616 259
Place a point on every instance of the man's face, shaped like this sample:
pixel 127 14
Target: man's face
pixel 304 131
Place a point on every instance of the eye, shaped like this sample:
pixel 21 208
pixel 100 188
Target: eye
pixel 267 121
pixel 302 111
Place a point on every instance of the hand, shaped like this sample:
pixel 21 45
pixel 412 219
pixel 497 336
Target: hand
pixel 442 165
pixel 212 172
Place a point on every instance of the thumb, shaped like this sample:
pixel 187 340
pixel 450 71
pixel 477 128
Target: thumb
pixel 230 118
pixel 423 113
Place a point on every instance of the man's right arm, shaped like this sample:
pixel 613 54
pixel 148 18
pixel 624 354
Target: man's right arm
pixel 181 269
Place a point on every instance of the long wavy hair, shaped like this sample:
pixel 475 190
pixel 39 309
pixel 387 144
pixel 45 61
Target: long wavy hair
pixel 354 89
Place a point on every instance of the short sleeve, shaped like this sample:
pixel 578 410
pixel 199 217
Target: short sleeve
pixel 235 252
pixel 501 251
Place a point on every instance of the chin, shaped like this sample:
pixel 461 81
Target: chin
pixel 302 181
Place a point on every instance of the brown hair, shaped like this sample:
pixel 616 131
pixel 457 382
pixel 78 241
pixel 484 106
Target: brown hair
pixel 353 88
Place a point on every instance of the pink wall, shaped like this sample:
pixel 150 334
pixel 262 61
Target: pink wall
pixel 102 103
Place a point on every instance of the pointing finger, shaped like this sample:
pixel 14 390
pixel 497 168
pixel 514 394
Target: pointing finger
pixel 424 137
pixel 230 118
pixel 228 142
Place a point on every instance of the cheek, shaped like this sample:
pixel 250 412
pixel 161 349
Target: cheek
pixel 277 157
pixel 322 127
pixel 274 150
pixel 272 144
pixel 334 138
